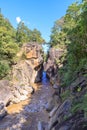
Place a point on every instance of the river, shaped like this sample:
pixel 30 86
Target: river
pixel 26 114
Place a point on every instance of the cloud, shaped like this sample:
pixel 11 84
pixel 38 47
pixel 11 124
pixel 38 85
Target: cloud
pixel 18 19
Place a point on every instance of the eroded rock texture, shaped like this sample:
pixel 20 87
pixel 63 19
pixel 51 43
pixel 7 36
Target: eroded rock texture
pixel 53 63
pixel 66 112
pixel 28 70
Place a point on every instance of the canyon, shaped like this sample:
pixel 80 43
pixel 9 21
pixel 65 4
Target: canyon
pixel 34 99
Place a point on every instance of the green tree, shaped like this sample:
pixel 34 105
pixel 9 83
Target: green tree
pixel 57 35
pixel 23 34
pixel 8 47
pixel 72 34
pixel 36 36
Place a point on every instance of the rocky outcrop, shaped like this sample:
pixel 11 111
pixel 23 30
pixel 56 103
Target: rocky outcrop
pixel 5 92
pixel 28 70
pixel 67 112
pixel 3 111
pixel 67 107
pixel 53 63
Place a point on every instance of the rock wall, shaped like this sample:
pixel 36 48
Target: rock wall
pixel 67 107
pixel 26 71
pixel 53 63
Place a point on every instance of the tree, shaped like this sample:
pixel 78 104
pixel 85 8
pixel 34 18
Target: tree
pixel 36 36
pixel 23 34
pixel 8 47
pixel 73 34
pixel 57 36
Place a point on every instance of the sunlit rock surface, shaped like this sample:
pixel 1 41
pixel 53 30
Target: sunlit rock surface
pixel 27 71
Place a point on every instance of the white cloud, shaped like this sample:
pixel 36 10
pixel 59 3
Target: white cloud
pixel 18 19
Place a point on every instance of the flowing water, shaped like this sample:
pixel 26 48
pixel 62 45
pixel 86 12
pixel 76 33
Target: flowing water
pixel 26 114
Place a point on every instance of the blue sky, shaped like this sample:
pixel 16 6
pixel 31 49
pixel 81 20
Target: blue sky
pixel 39 14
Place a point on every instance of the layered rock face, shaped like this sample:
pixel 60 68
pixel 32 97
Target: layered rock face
pixel 67 106
pixel 5 92
pixel 31 66
pixel 28 70
pixel 52 65
pixel 65 109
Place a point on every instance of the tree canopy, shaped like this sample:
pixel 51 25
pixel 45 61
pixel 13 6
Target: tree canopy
pixel 24 34
pixel 70 33
pixel 10 41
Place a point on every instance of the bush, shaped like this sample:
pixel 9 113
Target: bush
pixel 4 69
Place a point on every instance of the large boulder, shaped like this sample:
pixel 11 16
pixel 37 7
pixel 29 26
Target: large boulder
pixel 62 110
pixel 5 92
pixel 74 122
pixel 27 71
pixel 52 65
pixel 70 114
pixel 3 111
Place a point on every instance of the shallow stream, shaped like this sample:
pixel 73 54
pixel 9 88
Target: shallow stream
pixel 26 114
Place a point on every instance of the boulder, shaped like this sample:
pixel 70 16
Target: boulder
pixel 27 71
pixel 3 111
pixel 30 69
pixel 51 66
pixel 60 113
pixel 53 102
pixel 74 122
pixel 5 92
pixel 50 105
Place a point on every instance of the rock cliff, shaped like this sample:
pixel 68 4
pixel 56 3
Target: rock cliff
pixel 67 110
pixel 53 63
pixel 67 107
pixel 26 71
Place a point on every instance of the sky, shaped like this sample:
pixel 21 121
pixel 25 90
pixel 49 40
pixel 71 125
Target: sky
pixel 40 14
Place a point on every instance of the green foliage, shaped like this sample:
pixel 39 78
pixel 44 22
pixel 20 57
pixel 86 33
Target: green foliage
pixel 11 40
pixel 80 105
pixel 36 36
pixel 4 69
pixel 58 37
pixel 76 107
pixel 71 35
pixel 24 35
pixel 8 47
pixel 65 95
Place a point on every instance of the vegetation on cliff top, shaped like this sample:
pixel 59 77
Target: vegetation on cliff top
pixel 10 41
pixel 70 34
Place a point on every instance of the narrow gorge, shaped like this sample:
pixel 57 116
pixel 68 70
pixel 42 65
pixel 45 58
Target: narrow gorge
pixel 43 73
pixel 25 94
pixel 33 97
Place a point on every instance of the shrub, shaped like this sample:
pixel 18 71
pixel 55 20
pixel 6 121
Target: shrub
pixel 4 69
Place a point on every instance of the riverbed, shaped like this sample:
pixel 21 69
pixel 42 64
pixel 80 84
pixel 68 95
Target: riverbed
pixel 26 114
